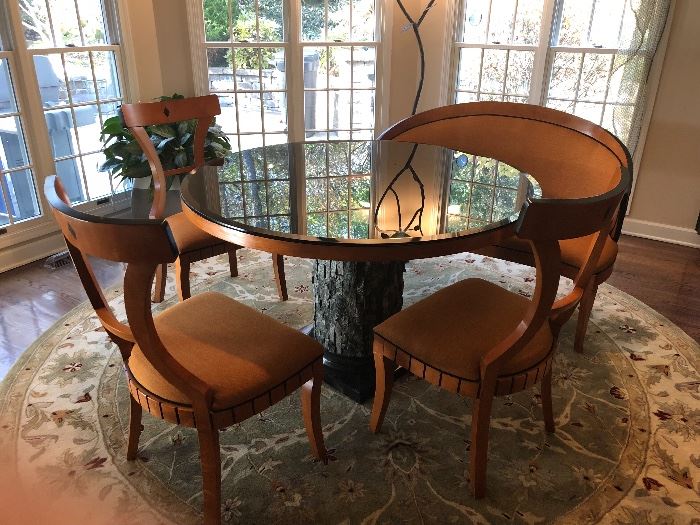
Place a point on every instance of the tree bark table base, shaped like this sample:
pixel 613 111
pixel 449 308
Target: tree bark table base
pixel 350 299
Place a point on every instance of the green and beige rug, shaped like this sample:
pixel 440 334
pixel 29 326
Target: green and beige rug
pixel 626 449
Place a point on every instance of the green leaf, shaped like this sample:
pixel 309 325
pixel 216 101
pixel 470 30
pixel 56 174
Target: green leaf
pixel 164 130
pixel 181 159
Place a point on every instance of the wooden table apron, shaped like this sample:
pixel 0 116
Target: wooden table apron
pixel 357 285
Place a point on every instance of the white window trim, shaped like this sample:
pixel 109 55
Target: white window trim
pixel 40 237
pixel 544 53
pixel 294 82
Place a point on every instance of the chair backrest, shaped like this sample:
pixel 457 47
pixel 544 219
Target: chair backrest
pixel 123 240
pixel 141 243
pixel 140 115
pixel 569 156
pixel 544 222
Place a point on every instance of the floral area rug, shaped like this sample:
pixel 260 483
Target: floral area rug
pixel 626 449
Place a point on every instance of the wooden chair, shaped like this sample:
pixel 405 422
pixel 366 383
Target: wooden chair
pixel 193 244
pixel 559 149
pixel 480 340
pixel 207 362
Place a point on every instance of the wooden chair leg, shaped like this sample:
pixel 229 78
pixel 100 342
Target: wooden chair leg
pixel 182 279
pixel 278 266
pixel 233 262
pixel 159 287
pixel 311 408
pixel 135 428
pixel 546 391
pixel 210 456
pixel 384 374
pixel 584 313
pixel 481 420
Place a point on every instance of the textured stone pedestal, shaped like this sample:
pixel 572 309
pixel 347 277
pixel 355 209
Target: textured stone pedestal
pixel 350 299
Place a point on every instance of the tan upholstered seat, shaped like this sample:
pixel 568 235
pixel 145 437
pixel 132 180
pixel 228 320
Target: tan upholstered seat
pixel 574 252
pixel 453 328
pixel 187 236
pixel 238 351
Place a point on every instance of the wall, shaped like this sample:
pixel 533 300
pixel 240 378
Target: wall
pixel 173 47
pixel 666 201
pixel 159 54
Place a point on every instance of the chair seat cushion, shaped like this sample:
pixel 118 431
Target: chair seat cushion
pixel 187 236
pixel 453 328
pixel 573 251
pixel 238 351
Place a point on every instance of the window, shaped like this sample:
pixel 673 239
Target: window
pixel 72 44
pixel 587 57
pixel 50 118
pixel 18 200
pixel 267 57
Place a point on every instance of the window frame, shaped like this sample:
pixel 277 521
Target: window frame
pixel 294 46
pixel 544 55
pixel 35 237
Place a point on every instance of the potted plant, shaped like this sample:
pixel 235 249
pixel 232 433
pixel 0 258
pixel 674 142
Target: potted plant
pixel 173 142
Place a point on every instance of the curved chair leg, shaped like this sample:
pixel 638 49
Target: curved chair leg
pixel 159 288
pixel 584 313
pixel 233 262
pixel 311 407
pixel 384 377
pixel 278 267
pixel 546 391
pixel 135 428
pixel 182 279
pixel 481 420
pixel 210 457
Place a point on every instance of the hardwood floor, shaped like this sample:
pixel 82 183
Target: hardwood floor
pixel 32 298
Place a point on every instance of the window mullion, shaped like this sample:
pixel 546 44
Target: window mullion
pixel 543 55
pixel 294 57
pixel 29 101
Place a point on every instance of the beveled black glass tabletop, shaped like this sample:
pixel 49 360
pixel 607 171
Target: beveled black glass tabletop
pixel 373 190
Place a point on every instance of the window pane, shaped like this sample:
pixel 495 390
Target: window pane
pixel 51 77
pixel 92 21
pixel 607 23
pixel 363 110
pixel 527 22
pixel 363 20
pixel 216 20
pixel 37 29
pixel 80 82
pixel 501 26
pixel 106 74
pixel 594 77
pixel 565 75
pixel 494 70
pixel 98 183
pixel 251 23
pixel 71 175
pixel 476 17
pixel 575 23
pixel 469 69
pixel 363 67
pixel 520 65
pixel 64 19
pixel 13 153
pixel 21 195
pixel 7 96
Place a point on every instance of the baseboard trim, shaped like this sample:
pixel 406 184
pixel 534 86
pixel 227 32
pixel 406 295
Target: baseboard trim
pixel 661 232
pixel 25 253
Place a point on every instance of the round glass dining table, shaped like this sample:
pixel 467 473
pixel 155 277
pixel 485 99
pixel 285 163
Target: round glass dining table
pixel 361 209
